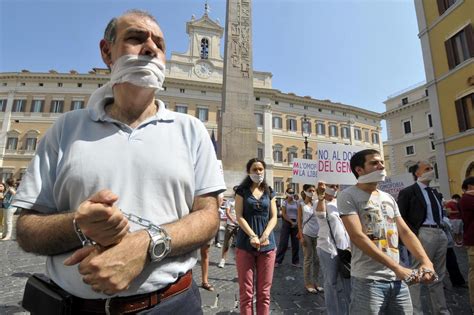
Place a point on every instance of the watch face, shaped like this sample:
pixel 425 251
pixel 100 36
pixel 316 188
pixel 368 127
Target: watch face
pixel 203 70
pixel 159 249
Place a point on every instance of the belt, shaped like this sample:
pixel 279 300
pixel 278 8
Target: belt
pixel 135 303
pixel 432 226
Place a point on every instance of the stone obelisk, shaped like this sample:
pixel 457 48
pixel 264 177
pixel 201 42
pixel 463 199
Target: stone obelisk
pixel 237 135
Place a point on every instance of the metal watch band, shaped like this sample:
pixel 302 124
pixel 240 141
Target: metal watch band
pixel 152 230
pixel 158 234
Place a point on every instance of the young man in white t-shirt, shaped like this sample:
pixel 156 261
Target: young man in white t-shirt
pixel 373 222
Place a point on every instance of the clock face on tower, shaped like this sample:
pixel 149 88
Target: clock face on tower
pixel 203 70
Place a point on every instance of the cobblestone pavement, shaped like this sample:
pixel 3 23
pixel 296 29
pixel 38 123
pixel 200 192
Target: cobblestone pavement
pixel 287 296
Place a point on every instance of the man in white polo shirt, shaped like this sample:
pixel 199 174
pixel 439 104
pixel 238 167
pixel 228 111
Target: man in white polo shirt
pixel 135 183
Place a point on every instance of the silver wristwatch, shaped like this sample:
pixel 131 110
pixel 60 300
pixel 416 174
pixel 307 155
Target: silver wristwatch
pixel 160 243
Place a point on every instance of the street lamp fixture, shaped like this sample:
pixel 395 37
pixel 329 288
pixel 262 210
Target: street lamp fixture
pixel 306 132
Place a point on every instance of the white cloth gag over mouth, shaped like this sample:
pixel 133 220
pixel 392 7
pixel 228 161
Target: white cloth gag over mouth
pixel 144 71
pixel 374 177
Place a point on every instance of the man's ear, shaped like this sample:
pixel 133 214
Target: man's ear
pixel 358 170
pixel 105 52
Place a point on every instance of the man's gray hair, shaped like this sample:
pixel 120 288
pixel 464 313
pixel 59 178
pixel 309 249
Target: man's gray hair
pixel 110 32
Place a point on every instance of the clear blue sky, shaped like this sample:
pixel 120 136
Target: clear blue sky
pixel 356 52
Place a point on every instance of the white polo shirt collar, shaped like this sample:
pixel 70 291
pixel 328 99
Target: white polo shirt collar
pixel 104 95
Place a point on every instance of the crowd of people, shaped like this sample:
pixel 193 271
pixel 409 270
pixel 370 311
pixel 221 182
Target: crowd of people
pixel 397 245
pixel 121 219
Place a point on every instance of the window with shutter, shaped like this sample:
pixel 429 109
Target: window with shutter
pixel 278 185
pixel 203 114
pixel 57 106
pixel 291 124
pixel 375 138
pixel 465 112
pixel 37 106
pixel 443 5
pixel 30 144
pixel 12 143
pixel 276 123
pixel 333 131
pixel 75 105
pixel 345 132
pixel 181 109
pixel 357 134
pixel 320 128
pixel 278 153
pixel 19 106
pixel 460 47
pixel 3 105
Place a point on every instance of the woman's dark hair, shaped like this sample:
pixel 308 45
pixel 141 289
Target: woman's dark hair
pixel 11 182
pixel 247 182
pixel 305 187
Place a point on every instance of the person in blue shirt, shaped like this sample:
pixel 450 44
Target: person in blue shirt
pixel 256 213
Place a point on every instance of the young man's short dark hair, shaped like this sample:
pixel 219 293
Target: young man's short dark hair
pixel 456 196
pixel 465 183
pixel 358 159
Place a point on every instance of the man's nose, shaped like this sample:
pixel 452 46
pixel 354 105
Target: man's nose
pixel 149 48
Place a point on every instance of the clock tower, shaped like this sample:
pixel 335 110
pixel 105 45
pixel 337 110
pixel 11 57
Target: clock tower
pixel 202 60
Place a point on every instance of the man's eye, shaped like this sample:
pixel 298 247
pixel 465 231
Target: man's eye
pixel 134 38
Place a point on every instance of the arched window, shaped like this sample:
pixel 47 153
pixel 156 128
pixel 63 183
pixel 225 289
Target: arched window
pixel 204 48
pixel 31 140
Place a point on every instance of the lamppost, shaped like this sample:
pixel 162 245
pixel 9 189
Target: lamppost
pixel 306 132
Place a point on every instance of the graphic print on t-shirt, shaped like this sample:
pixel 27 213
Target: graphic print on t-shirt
pixel 379 225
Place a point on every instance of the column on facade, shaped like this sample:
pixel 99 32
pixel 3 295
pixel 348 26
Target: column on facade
pixel 439 141
pixel 6 124
pixel 379 131
pixel 268 142
pixel 351 123
pixel 393 166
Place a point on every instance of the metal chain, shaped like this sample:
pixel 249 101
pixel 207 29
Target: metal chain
pixel 418 274
pixel 139 220
pixel 85 241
